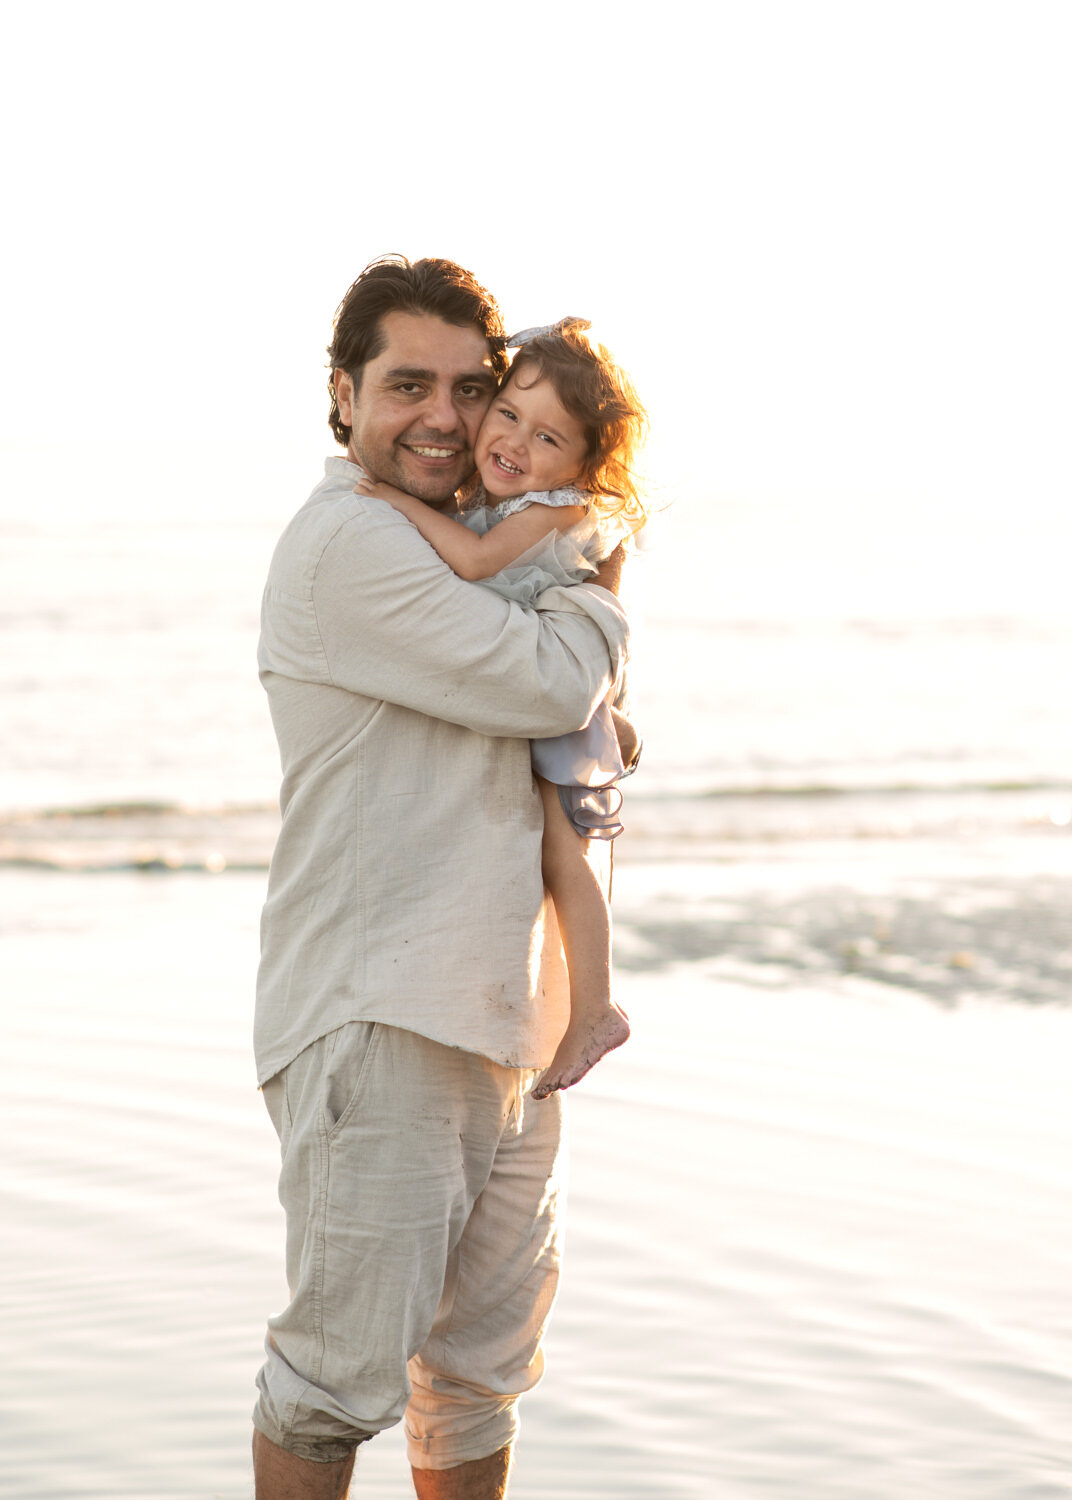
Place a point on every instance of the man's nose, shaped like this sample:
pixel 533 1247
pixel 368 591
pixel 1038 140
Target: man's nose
pixel 439 409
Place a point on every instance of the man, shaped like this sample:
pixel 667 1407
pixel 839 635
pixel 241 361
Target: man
pixel 411 983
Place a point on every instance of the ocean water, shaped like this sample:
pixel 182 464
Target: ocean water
pixel 821 1207
pixel 128 674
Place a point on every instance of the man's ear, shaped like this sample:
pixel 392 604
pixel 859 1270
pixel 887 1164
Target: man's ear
pixel 344 396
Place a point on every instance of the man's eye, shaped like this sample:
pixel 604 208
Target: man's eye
pixel 408 387
pixel 472 392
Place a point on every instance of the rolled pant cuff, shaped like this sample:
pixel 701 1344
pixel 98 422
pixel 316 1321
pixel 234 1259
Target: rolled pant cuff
pixel 448 1450
pixel 325 1450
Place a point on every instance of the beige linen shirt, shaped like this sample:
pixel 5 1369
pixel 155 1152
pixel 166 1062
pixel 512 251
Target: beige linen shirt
pixel 405 885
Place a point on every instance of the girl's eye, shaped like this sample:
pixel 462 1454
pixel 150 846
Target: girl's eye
pixel 547 438
pixel 506 412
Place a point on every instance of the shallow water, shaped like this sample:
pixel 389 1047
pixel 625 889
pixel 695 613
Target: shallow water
pixel 820 1236
pixel 821 1217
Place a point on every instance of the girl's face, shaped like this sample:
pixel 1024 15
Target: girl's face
pixel 528 441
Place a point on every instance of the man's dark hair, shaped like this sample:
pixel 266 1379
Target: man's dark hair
pixel 393 284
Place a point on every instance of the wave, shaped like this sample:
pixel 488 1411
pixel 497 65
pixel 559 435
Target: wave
pixel 997 786
pixel 152 836
pixel 141 807
pixel 165 836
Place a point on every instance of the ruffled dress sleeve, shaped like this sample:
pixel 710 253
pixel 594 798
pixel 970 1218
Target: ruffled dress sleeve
pixel 559 559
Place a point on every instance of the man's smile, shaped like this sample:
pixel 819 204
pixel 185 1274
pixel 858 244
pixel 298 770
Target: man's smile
pixel 425 451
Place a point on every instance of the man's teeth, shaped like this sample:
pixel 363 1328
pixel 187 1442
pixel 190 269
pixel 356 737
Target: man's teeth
pixel 434 452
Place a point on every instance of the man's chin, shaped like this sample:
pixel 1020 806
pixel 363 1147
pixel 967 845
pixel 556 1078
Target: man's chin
pixel 436 489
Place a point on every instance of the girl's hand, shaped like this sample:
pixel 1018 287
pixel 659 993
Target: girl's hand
pixel 380 491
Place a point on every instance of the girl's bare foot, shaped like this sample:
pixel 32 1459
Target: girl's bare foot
pixel 587 1039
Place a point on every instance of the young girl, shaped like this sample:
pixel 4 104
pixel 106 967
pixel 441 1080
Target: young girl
pixel 555 455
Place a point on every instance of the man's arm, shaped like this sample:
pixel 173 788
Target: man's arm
pixel 396 624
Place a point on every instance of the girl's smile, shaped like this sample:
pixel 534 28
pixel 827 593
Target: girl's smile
pixel 529 442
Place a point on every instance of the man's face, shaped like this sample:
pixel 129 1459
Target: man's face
pixel 415 414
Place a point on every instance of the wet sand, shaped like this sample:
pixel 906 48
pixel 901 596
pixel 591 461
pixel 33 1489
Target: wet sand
pixel 820 1240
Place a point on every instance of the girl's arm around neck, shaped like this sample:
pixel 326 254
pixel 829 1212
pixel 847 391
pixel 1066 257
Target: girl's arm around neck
pixel 475 557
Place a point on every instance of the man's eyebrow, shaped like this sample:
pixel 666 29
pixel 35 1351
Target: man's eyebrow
pixel 414 372
pixel 409 372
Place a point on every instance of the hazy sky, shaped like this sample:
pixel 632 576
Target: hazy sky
pixel 830 240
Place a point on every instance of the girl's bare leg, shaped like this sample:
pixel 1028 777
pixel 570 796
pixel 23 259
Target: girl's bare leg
pixel 572 873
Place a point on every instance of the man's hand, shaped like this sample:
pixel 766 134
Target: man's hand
pixel 628 738
pixel 609 572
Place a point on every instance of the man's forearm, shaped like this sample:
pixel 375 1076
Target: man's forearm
pixel 395 625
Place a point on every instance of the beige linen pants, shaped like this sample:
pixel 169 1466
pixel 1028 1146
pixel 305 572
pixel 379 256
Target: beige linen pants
pixel 421 1188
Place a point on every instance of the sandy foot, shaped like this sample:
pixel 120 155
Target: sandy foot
pixel 587 1039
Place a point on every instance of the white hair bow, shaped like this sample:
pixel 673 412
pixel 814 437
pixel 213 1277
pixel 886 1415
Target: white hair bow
pixel 528 334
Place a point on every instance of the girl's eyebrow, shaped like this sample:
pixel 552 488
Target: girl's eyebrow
pixel 503 400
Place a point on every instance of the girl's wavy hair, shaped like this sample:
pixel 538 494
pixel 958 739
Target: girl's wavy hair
pixel 599 394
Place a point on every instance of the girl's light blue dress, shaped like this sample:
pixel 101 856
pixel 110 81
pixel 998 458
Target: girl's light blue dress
pixel 586 765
